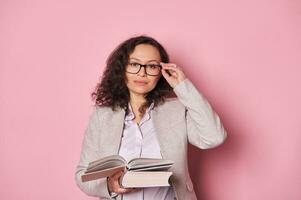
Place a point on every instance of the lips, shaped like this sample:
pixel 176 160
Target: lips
pixel 140 82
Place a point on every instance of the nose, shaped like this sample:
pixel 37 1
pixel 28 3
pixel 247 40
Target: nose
pixel 142 71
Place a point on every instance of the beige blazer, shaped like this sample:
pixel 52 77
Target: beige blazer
pixel 187 118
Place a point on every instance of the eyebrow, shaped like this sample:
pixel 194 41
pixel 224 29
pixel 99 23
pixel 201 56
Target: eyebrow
pixel 147 61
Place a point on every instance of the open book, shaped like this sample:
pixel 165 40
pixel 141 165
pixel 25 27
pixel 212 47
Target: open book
pixel 138 172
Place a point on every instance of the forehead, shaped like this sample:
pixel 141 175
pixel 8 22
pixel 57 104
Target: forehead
pixel 145 52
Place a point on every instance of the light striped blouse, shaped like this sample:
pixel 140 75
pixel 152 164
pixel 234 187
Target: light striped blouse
pixel 140 140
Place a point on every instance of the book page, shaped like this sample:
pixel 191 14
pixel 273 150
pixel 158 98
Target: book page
pixel 100 174
pixel 106 163
pixel 152 168
pixel 139 163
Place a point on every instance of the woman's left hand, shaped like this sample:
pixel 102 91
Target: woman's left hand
pixel 175 76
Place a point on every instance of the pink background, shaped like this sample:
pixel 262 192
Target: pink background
pixel 242 55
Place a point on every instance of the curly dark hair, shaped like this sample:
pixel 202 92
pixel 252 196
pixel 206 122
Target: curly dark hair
pixel 112 90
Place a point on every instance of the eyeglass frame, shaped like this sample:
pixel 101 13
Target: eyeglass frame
pixel 145 65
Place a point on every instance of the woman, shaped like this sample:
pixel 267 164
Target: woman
pixel 133 117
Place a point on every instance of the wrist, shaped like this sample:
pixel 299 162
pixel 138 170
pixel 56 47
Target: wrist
pixel 112 194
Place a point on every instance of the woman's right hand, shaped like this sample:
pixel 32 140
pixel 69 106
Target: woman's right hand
pixel 114 186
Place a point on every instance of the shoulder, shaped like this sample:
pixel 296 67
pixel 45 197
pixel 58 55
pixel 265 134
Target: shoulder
pixel 173 101
pixel 101 110
pixel 172 104
pixel 98 108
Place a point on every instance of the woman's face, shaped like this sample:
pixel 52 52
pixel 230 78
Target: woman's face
pixel 141 83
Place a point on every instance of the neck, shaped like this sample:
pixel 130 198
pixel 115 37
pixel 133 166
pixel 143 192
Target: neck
pixel 137 100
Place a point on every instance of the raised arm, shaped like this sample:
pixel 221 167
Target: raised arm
pixel 204 127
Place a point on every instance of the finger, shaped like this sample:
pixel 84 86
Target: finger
pixel 117 188
pixel 121 190
pixel 116 175
pixel 128 190
pixel 170 72
pixel 171 69
pixel 174 67
pixel 168 64
pixel 174 74
pixel 174 71
pixel 165 74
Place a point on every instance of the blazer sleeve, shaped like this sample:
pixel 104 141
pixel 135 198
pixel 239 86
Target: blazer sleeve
pixel 204 127
pixel 89 152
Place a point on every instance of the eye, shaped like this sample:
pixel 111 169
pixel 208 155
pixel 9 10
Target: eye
pixel 153 66
pixel 135 64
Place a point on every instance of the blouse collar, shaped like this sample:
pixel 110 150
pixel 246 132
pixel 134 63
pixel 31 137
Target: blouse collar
pixel 131 115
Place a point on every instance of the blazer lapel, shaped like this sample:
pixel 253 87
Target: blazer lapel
pixel 114 126
pixel 160 121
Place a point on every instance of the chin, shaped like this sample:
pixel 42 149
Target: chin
pixel 141 91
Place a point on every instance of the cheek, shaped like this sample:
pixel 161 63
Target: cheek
pixel 154 82
pixel 128 79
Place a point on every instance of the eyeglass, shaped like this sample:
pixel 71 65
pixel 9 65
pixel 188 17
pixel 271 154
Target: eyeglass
pixel 150 69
